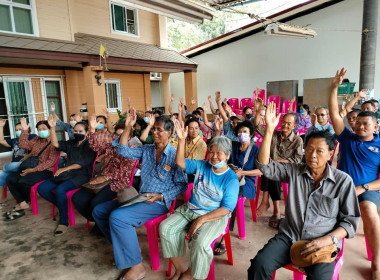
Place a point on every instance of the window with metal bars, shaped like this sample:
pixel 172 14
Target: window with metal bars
pixel 113 95
pixel 124 19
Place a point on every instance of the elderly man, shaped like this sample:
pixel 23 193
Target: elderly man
pixel 321 207
pixel 360 158
pixel 161 181
pixel 320 121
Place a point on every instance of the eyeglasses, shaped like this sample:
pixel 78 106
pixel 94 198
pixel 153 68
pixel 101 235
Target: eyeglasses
pixel 158 130
pixel 321 115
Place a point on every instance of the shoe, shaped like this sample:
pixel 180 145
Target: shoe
pixel 274 221
pixel 221 247
pixel 61 229
pixel 14 215
pixel 8 213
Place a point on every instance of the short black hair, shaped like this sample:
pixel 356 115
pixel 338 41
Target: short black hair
pixel 168 123
pixel 247 124
pixel 189 121
pixel 120 125
pixel 246 108
pixel 369 102
pixel 330 138
pixel 103 117
pixel 291 114
pixel 196 112
pixel 354 111
pixel 175 114
pixel 85 125
pixel 307 108
pixel 43 122
pixel 374 101
pixel 200 109
pixel 159 112
pixel 368 114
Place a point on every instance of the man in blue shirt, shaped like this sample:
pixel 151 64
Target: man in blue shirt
pixel 360 158
pixel 320 121
pixel 161 180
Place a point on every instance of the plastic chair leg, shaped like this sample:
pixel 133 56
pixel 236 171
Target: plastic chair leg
pixel 285 189
pixel 169 271
pixel 227 239
pixel 33 199
pixel 240 217
pixel 87 225
pixel 71 212
pixel 152 235
pixel 211 273
pixel 52 211
pixel 369 253
pixel 253 204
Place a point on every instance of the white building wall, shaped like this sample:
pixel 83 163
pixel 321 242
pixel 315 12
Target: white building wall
pixel 238 68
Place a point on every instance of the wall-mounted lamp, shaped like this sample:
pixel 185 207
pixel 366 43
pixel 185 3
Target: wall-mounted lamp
pixel 98 79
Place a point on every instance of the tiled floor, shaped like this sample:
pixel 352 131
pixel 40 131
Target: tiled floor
pixel 28 250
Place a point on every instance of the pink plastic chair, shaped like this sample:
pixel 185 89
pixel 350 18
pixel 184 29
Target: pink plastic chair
pixel 151 227
pixel 187 194
pixel 33 190
pixel 302 131
pixel 227 239
pixel 277 100
pixel 244 102
pixel 286 105
pixel 261 94
pixel 369 253
pixel 278 127
pixel 234 103
pixel 298 275
pixel 238 112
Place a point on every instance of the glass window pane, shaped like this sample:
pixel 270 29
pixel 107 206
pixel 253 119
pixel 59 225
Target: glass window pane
pixel 23 20
pixel 5 18
pixel 112 102
pixel 26 2
pixel 119 18
pixel 52 88
pixel 17 101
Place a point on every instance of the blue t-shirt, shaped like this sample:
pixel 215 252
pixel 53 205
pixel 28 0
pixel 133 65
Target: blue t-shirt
pixel 18 153
pixel 360 159
pixel 211 190
pixel 237 159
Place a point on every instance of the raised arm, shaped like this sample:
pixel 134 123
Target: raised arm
pixel 53 135
pixel 109 124
pixel 218 126
pixel 259 105
pixel 2 140
pixel 170 106
pixel 130 121
pixel 218 100
pixel 290 109
pixel 182 134
pixel 24 142
pixel 181 110
pixel 145 133
pixel 271 121
pixel 204 115
pixel 192 105
pixel 348 107
pixel 336 119
pixel 211 105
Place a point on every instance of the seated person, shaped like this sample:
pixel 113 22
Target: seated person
pixel 161 181
pixel 369 106
pixel 18 155
pixel 320 121
pixel 247 111
pixel 322 206
pixel 206 215
pixel 286 146
pixel 117 170
pixel 20 182
pixel 198 115
pixel 67 127
pixel 78 170
pixel 303 117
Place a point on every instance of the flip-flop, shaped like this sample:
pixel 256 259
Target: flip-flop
pixel 6 214
pixel 274 221
pixel 61 229
pixel 14 216
pixel 221 247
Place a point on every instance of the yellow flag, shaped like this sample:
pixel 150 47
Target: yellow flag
pixel 102 51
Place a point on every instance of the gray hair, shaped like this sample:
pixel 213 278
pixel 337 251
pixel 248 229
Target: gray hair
pixel 223 144
pixel 322 107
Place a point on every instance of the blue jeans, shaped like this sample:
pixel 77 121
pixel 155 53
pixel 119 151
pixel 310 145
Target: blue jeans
pixel 8 168
pixel 58 198
pixel 118 225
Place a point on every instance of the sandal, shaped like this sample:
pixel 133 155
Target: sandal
pixel 274 221
pixel 14 215
pixel 221 247
pixel 61 229
pixel 8 213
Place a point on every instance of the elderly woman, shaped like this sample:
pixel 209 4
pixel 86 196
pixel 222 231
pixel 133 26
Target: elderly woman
pixel 206 215
pixel 303 117
pixel 78 170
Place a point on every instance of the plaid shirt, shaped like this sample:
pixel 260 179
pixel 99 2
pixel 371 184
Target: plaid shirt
pixel 116 168
pixel 47 159
pixel 166 178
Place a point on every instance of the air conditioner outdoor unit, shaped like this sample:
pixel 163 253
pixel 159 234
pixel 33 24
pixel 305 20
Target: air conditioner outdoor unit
pixel 155 76
pixel 290 31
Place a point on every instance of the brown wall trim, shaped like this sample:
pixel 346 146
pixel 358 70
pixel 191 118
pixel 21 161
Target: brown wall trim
pixel 40 67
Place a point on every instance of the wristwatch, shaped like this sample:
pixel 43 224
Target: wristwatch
pixel 334 239
pixel 365 187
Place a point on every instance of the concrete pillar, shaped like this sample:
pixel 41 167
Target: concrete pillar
pixel 165 87
pixel 162 32
pixel 191 88
pixel 95 94
pixel 147 91
pixel 368 47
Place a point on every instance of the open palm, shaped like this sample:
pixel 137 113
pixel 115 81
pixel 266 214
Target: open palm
pixel 271 119
pixel 180 130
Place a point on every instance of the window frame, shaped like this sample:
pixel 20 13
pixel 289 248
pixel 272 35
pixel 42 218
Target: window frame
pixel 136 15
pixel 118 95
pixel 33 11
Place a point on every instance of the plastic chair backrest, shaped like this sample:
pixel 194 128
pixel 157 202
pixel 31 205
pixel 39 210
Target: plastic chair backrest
pixel 244 102
pixel 278 127
pixel 277 100
pixel 261 94
pixel 234 103
pixel 286 105
pixel 133 172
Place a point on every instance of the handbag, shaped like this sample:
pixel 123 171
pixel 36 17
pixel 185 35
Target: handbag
pixel 65 176
pixel 95 188
pixel 32 161
pixel 242 179
pixel 325 254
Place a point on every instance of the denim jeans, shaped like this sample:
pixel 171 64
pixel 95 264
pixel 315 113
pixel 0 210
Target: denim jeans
pixel 8 168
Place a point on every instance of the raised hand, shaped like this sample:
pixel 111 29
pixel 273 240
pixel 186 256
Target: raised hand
pixel 131 117
pixel 152 120
pixel 271 119
pixel 338 79
pixel 292 101
pixel 2 122
pixel 313 119
pixel 362 93
pixel 180 107
pixel 218 123
pixel 182 100
pixel 209 99
pixel 52 106
pixel 205 107
pixel 24 125
pixel 172 98
pixel 78 117
pixel 180 130
pixel 93 123
pixel 218 96
pixel 193 100
pixel 149 108
pixel 258 104
pixel 52 122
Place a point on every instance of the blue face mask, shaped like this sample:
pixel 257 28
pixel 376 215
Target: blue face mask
pixel 219 165
pixel 43 133
pixel 100 126
pixel 18 133
pixel 146 119
pixel 302 112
